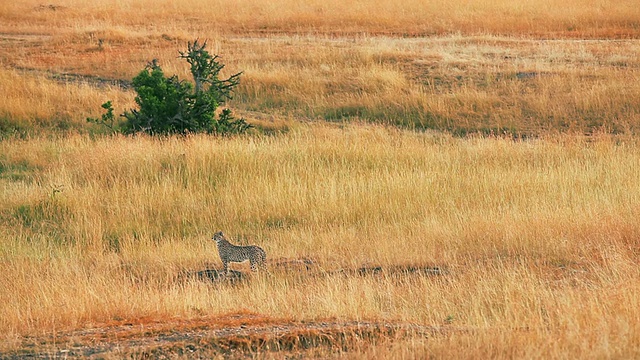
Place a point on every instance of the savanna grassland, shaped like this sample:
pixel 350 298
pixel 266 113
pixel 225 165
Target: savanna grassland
pixel 450 179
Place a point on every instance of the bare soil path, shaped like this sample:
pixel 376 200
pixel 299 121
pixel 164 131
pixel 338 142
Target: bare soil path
pixel 239 334
pixel 232 335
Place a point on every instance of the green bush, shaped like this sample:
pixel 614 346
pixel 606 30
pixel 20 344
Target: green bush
pixel 168 105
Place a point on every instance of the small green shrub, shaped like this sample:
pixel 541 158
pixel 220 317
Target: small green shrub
pixel 168 105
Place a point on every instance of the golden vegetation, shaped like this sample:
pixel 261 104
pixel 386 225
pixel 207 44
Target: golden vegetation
pixel 33 102
pixel 545 18
pixel 489 67
pixel 537 239
pixel 460 84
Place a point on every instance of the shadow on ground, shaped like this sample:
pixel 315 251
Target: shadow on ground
pixel 309 268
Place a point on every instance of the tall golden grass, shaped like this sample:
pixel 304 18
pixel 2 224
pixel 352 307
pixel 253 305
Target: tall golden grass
pixel 545 18
pixel 491 67
pixel 460 84
pixel 32 102
pixel 539 239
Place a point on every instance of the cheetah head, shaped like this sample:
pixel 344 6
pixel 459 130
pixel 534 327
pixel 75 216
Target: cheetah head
pixel 219 236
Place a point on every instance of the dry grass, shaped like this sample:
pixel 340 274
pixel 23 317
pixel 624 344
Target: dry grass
pixel 539 238
pixel 546 18
pixel 38 103
pixel 533 68
pixel 459 84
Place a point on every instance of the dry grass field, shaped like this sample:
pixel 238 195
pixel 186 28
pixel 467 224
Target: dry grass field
pixel 461 66
pixel 448 179
pixel 536 243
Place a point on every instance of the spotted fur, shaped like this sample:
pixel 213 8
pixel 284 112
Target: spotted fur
pixel 234 253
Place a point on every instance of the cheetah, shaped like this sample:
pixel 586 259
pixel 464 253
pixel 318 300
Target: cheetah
pixel 233 253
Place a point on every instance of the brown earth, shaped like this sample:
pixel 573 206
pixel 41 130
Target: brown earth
pixel 239 334
pixel 232 335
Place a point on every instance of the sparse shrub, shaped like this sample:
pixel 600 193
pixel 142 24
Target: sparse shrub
pixel 168 105
pixel 107 119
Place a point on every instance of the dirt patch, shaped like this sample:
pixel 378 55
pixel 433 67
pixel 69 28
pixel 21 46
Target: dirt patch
pixel 312 268
pixel 233 335
pixel 50 7
pixel 79 79
pixel 23 38
pixel 401 270
pixel 237 335
pixel 286 264
pixel 95 81
pixel 309 268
